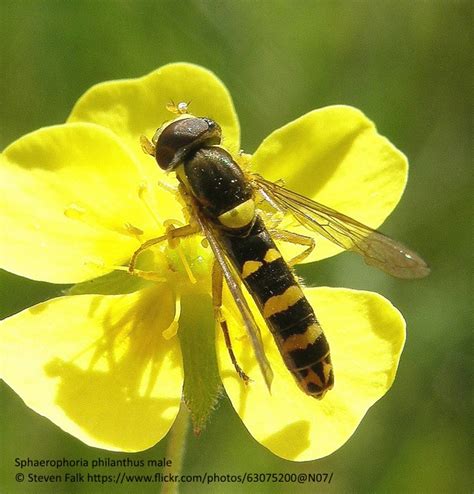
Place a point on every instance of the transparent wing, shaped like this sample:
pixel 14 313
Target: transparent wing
pixel 241 303
pixel 376 248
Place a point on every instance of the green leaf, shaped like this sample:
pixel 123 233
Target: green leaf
pixel 202 383
pixel 114 283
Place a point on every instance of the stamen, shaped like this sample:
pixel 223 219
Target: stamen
pixel 172 329
pixel 133 230
pixel 170 224
pixel 174 243
pixel 187 268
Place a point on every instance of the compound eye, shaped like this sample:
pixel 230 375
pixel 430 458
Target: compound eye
pixel 182 136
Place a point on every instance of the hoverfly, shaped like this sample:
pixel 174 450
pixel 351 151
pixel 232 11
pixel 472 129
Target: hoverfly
pixel 221 200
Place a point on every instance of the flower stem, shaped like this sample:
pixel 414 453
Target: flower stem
pixel 176 448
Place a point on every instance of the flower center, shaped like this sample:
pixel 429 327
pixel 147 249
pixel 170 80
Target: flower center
pixel 189 263
pixel 185 262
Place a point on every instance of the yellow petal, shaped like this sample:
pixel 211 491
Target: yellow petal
pixel 98 366
pixel 366 336
pixel 336 157
pixel 133 107
pixel 70 206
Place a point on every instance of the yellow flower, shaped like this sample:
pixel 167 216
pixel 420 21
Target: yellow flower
pixel 107 362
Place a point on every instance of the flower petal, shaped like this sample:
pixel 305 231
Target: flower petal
pixel 98 366
pixel 70 206
pixel 336 157
pixel 133 107
pixel 366 335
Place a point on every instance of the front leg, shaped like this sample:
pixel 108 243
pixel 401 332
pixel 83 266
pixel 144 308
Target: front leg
pixel 171 234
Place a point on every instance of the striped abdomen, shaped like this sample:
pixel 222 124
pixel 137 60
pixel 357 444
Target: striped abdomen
pixel 282 303
pixel 225 196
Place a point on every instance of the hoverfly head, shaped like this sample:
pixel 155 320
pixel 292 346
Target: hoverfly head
pixel 175 140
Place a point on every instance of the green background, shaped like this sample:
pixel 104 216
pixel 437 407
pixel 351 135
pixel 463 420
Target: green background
pixel 408 66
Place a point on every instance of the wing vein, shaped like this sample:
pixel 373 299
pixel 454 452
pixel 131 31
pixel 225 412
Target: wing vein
pixel 376 248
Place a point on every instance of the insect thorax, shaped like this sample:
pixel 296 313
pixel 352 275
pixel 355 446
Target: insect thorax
pixel 218 184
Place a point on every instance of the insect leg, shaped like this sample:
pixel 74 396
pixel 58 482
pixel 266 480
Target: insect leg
pixel 295 238
pixel 170 235
pixel 217 286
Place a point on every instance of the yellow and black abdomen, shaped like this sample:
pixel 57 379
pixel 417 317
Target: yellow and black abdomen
pixel 225 197
pixel 282 303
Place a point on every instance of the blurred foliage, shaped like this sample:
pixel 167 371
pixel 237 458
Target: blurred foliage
pixel 408 66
